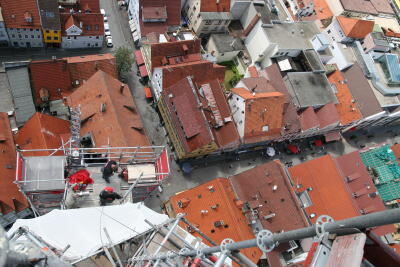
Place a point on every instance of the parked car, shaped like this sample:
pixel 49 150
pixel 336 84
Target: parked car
pixel 107 29
pixel 105 18
pixel 102 11
pixel 109 41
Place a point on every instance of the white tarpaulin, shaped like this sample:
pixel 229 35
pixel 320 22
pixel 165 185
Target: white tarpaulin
pixel 82 229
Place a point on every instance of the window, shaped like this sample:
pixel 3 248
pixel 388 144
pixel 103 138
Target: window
pixel 88 27
pixel 96 27
pixel 96 44
pixel 32 36
pixel 219 22
pixel 265 128
pixel 48 38
pixel 38 36
pixel 88 44
pixel 47 31
pixel 97 37
pixel 205 28
pixel 68 38
pixel 208 22
pixel 305 199
pixel 26 36
pixel 227 22
pixel 37 30
pixel 13 35
pixel 55 37
pixel 329 31
pixel 74 37
pixel 19 36
pixel 31 30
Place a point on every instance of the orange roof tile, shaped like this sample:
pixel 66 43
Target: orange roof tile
pixel 346 107
pixel 262 109
pixel 321 8
pixel 10 197
pixel 14 13
pixel 207 205
pixel 93 20
pixel 120 123
pixel 396 150
pixel 42 131
pixel 327 191
pixel 331 193
pixel 355 28
pixel 215 6
pixel 173 53
pixel 57 75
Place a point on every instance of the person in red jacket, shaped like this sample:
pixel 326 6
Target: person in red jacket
pixel 108 195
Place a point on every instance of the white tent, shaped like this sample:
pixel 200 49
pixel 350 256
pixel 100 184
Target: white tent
pixel 82 229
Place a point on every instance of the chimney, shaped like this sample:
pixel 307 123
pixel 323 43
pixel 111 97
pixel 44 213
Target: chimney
pixel 274 188
pixel 183 203
pixel 103 107
pixel 269 216
pixel 121 88
pixel 203 212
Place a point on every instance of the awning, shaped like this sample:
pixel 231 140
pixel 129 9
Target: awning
pixel 139 57
pixel 82 229
pixel 318 142
pixel 143 71
pixel 333 136
pixel 147 92
pixel 294 149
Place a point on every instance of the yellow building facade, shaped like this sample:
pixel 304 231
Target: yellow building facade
pixel 51 36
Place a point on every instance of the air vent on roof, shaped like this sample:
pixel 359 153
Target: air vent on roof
pixel 269 216
pixel 103 107
pixel 76 82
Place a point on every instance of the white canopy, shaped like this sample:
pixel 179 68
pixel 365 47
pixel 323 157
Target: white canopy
pixel 82 229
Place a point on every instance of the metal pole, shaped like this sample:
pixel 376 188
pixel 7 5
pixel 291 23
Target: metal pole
pixel 174 225
pixel 241 257
pixel 221 260
pixel 351 225
pixel 112 247
pixel 131 188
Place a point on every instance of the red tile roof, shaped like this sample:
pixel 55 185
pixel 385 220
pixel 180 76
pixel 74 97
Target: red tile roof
pixel 173 14
pixel 262 109
pixel 93 5
pixel 10 197
pixel 120 124
pixel 14 13
pixel 83 67
pixel 172 53
pixel 370 7
pixel 355 28
pixel 327 115
pixel 52 75
pixel 159 12
pixel 92 23
pixel 255 188
pixel 215 6
pixel 218 200
pixel 57 76
pixel 202 70
pixel 258 84
pixel 324 179
pixel 42 131
pixel 308 119
pixel 185 114
pixel 352 166
pixel 346 108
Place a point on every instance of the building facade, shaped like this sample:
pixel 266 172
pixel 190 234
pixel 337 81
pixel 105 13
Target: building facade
pixel 4 41
pixel 50 21
pixel 207 16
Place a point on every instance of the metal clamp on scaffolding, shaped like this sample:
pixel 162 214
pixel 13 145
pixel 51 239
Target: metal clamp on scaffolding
pixel 265 241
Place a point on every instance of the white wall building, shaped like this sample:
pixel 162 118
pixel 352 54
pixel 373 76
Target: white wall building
pixel 205 21
pixel 82 41
pixel 286 39
pixel 25 37
pixel 133 14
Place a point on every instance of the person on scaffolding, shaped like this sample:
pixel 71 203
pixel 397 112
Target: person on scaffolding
pixel 108 195
pixel 109 170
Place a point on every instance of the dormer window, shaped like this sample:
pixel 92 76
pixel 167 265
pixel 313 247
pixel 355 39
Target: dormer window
pixel 28 17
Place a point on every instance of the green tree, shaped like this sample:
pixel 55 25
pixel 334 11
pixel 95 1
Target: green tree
pixel 124 59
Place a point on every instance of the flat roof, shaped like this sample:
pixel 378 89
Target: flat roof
pixel 309 89
pixel 227 43
pixel 295 35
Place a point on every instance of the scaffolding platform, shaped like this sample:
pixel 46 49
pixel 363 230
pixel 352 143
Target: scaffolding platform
pixel 44 179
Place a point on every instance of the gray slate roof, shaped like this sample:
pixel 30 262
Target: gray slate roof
pixel 309 89
pixel 21 92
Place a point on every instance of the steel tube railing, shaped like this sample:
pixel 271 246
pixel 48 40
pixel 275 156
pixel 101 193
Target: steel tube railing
pixel 351 225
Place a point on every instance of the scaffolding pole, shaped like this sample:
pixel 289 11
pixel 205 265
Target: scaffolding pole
pixel 266 240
